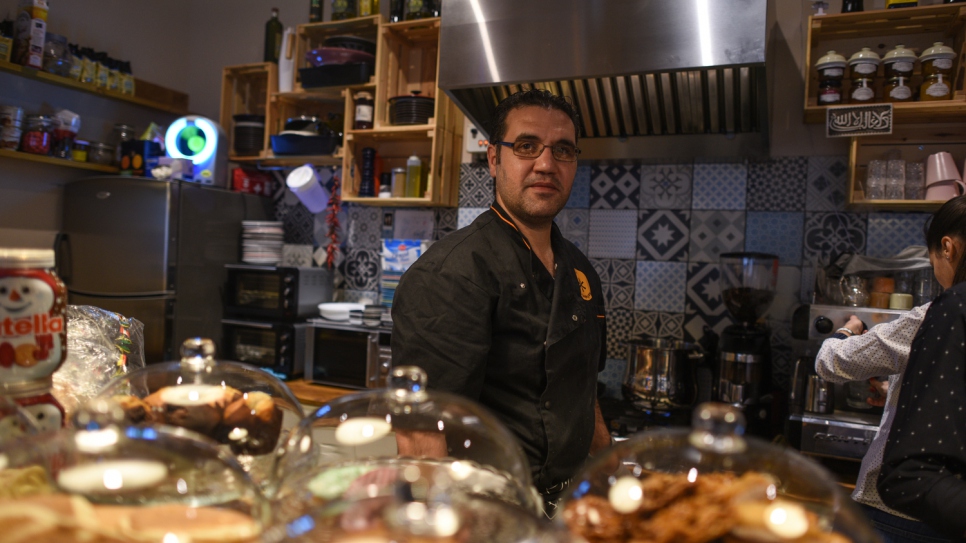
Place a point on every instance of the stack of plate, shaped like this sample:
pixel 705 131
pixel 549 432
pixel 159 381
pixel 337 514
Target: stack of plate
pixel 412 109
pixel 262 242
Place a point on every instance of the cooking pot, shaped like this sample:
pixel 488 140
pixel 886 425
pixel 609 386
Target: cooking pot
pixel 819 395
pixel 661 373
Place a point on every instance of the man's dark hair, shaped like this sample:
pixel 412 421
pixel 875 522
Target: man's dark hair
pixel 535 97
pixel 950 221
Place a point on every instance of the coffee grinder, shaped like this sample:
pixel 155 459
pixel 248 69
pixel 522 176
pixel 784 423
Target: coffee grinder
pixel 747 282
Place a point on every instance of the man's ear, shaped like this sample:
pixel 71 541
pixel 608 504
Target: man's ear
pixel 492 158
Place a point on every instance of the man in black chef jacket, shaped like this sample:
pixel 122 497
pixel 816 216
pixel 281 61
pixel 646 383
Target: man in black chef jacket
pixel 506 311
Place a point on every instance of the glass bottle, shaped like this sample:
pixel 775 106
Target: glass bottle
pixel 414 176
pixel 419 9
pixel 851 6
pixel 396 10
pixel 368 7
pixel 273 38
pixel 343 9
pixel 315 11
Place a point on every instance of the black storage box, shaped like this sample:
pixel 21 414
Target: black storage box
pixel 353 73
pixel 294 144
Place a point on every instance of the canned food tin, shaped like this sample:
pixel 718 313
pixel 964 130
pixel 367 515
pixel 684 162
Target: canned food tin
pixel 11 116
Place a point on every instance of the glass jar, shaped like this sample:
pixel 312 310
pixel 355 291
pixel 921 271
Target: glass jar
pixel 864 64
pixel 80 150
pixel 343 9
pixel 101 153
pixel 937 60
pixel 57 57
pixel 899 62
pixel 897 89
pixel 398 182
pixel 37 135
pixel 830 92
pixel 364 111
pixel 420 9
pixel 862 91
pixel 709 483
pixel 935 87
pixel 122 133
pixel 831 67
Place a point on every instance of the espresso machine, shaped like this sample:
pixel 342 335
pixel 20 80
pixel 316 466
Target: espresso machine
pixel 747 282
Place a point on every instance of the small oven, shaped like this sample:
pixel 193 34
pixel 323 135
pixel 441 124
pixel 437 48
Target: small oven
pixel 348 355
pixel 278 347
pixel 271 293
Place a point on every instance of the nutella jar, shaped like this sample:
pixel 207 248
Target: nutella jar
pixel 831 67
pixel 864 64
pixel 862 91
pixel 935 87
pixel 937 60
pixel 897 89
pixel 899 62
pixel 829 92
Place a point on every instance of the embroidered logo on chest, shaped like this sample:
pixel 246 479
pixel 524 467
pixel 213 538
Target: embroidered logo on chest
pixel 584 285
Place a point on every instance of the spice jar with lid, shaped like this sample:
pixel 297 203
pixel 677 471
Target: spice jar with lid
pixel 935 87
pixel 101 153
pixel 37 136
pixel 364 111
pixel 897 89
pixel 937 60
pixel 899 62
pixel 830 92
pixel 862 90
pixel 831 67
pixel 864 64
pixel 80 150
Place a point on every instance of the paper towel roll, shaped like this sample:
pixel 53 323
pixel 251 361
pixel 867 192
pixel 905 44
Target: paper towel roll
pixel 286 62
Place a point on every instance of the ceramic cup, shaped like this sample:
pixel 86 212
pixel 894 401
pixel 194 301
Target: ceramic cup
pixel 941 167
pixel 898 300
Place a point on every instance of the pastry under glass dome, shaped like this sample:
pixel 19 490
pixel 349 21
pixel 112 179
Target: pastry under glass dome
pixel 244 409
pixel 105 481
pixel 706 484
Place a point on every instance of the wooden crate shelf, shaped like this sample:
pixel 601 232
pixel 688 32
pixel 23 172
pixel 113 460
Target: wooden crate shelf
pixel 19 155
pixel 247 89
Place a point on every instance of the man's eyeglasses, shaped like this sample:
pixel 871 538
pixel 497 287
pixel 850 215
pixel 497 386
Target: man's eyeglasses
pixel 564 152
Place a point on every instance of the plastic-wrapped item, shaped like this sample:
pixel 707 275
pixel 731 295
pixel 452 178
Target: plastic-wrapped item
pixel 101 345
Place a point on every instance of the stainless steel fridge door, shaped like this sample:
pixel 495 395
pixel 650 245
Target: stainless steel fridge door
pixel 154 312
pixel 118 232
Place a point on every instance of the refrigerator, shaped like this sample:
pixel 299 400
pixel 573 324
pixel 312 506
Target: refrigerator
pixel 155 251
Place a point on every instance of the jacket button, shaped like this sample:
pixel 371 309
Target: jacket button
pixel 523 285
pixel 575 318
pixel 546 404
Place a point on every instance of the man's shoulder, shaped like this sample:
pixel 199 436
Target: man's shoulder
pixel 459 245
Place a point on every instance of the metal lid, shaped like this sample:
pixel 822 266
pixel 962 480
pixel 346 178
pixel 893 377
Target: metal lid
pixel 399 170
pixel 831 60
pixel 899 53
pixel 865 56
pixel 26 258
pixel 102 146
pixel 363 95
pixel 938 50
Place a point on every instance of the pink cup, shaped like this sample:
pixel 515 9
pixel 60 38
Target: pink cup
pixel 945 190
pixel 940 167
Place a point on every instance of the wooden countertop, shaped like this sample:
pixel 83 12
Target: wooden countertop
pixel 312 394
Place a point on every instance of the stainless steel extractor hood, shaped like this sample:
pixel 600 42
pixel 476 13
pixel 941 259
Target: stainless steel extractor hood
pixel 631 67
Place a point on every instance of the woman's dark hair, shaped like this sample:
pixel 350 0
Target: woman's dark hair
pixel 534 97
pixel 950 221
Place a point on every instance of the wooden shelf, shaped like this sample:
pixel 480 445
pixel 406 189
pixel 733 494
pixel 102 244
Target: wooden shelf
pixel 290 160
pixel 898 205
pixel 315 395
pixel 179 108
pixel 5 153
pixel 414 131
pixel 416 30
pixel 908 112
pixel 870 24
pixel 393 202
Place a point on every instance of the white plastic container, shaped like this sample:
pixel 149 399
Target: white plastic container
pixel 303 182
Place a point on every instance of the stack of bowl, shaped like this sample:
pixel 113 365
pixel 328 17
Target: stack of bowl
pixel 411 109
pixel 249 134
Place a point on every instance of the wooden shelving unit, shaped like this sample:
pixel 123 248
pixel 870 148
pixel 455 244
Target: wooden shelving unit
pixel 146 94
pixel 291 161
pixel 19 155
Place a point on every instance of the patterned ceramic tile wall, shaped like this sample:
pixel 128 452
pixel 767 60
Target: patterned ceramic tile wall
pixel 654 233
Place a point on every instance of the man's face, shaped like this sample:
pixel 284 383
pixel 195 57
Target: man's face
pixel 533 190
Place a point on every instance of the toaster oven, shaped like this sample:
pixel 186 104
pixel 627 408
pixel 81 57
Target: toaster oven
pixel 273 293
pixel 348 355
pixel 280 348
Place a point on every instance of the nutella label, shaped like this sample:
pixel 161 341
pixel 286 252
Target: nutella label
pixel 830 97
pixel 32 326
pixel 865 68
pixel 901 66
pixel 901 93
pixel 862 94
pixel 943 63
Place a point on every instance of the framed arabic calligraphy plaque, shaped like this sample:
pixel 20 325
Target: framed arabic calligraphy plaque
pixel 864 120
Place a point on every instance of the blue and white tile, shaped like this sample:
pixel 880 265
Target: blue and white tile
pixel 890 233
pixel 781 353
pixel 704 290
pixel 695 322
pixel 476 185
pixel 613 377
pixel 447 220
pixel 719 186
pixel 775 232
pixel 615 187
pixel 715 232
pixel 364 227
pixel 777 184
pixel 360 297
pixel 619 325
pixel 666 186
pixel 827 186
pixel 467 215
pixel 299 256
pixel 660 286
pixel 787 293
pixel 831 234
pixel 362 269
pixel 617 280
pixel 298 223
pixel 658 324
pixel 613 233
pixel 662 234
pixel 580 193
pixel 574 224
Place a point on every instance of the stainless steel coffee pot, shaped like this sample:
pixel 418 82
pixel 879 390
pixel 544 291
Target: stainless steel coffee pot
pixel 661 373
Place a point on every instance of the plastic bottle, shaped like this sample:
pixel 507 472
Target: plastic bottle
pixel 315 11
pixel 273 38
pixel 414 176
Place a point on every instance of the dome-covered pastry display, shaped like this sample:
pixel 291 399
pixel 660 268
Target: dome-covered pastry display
pixel 366 444
pixel 246 410
pixel 105 482
pixel 709 484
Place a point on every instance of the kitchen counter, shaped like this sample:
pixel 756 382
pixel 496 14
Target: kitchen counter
pixel 314 395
